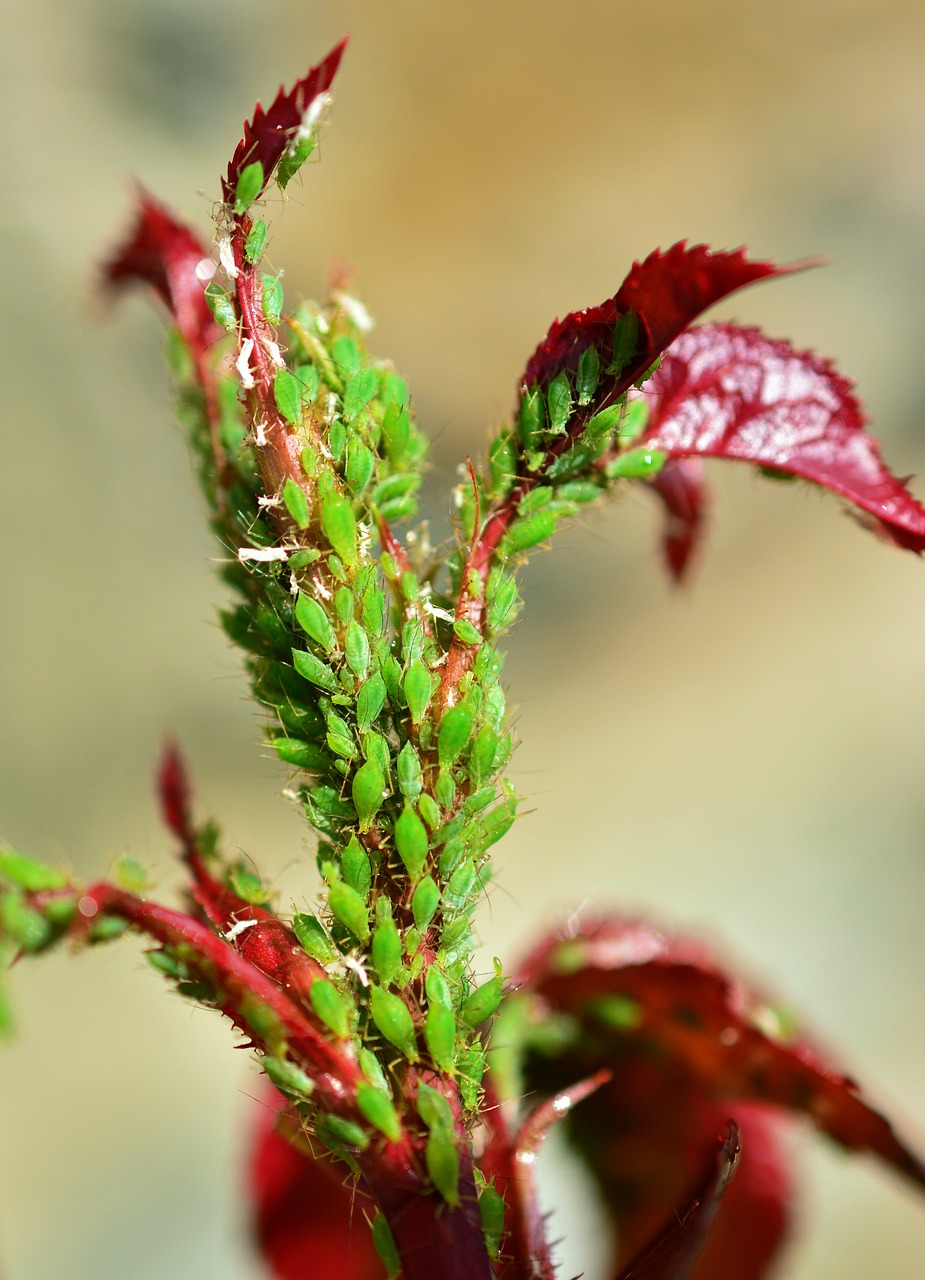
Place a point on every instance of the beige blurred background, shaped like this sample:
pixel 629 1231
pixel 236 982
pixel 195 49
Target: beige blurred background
pixel 744 759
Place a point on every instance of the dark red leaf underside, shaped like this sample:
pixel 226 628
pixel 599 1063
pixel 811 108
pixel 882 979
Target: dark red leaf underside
pixel 675 1250
pixel 668 291
pixel 163 253
pixel 693 1012
pixel 307 1220
pixel 724 392
pixel 680 488
pixel 268 134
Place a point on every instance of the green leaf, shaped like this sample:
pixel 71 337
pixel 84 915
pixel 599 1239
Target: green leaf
pixel 287 392
pixel 377 1107
pixel 331 1007
pixel 393 1019
pixel 339 525
pixel 411 841
pixel 249 186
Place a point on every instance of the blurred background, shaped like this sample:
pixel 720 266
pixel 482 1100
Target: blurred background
pixel 744 759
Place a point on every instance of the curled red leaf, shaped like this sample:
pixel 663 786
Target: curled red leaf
pixel 164 253
pixel 725 392
pixel 268 134
pixel 680 487
pixel 668 291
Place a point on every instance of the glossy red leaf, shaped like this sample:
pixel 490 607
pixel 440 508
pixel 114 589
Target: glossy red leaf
pixel 668 291
pixel 308 1220
pixel 676 1248
pixel 163 253
pixel 693 1012
pixel 724 392
pixel 268 134
pixel 680 488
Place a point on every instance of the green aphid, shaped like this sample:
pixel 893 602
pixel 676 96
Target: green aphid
pixel 375 747
pixel 498 821
pixel 256 239
pixel 340 527
pixel 412 640
pixel 466 632
pixel 529 532
pixel 372 609
pixel 130 875
pixel 106 929
pixel 483 1002
pixel 166 963
pixel 397 434
pixel 293 159
pixel 392 675
pixel 314 670
pixel 248 187
pixel 341 745
pixel 347 354
pixel 355 868
pixel 385 1246
pixel 437 987
pixel 445 789
pixel 434 1109
pixel 361 388
pixel 502 463
pixel 313 938
pixel 287 1077
pixel 440 1036
pixel 429 811
pixel 451 856
pixel 424 902
pixel 572 461
pixel 368 791
pixel 619 1012
pixel 387 951
pixel 272 298
pixel 247 885
pixel 589 374
pixel 397 486
pixel 22 924
pixel 503 603
pixel 482 755
pixel 532 420
pixel 377 1107
pixel 410 587
pixel 418 687
pixel 600 426
pixel 356 649
pixel 491 1211
pixel 408 769
pixel 459 888
pixel 337 440
pixel 636 464
pixel 650 372
pixel 454 734
pixel 476 801
pixel 471 1064
pixel 579 491
pixel 361 463
pixel 559 402
pixel 411 841
pixel 412 942
pixel 442 1160
pixel 393 1020
pixel 345 1131
pixel 625 338
pixel 296 502
pixel 399 508
pixel 287 392
pixel 332 1008
pixel 221 306
pixel 28 874
pixel 370 701
pixel 344 604
pixel 634 418
pixel 372 1069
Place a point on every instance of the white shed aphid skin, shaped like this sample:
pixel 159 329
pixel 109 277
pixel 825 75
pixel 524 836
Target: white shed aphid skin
pixel 355 311
pixel 356 964
pixel 263 555
pixel 242 364
pixel 237 929
pixel 293 585
pixel 273 351
pixel 319 589
pixel 264 501
pixel 260 434
pixel 226 255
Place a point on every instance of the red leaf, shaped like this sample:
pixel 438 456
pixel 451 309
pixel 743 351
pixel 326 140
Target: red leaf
pixel 667 292
pixel 681 489
pixel 162 252
pixel 694 1013
pixel 308 1220
pixel 268 134
pixel 724 392
pixel 672 1254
